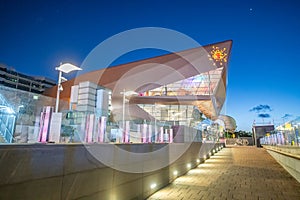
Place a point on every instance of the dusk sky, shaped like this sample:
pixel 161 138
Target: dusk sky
pixel 263 68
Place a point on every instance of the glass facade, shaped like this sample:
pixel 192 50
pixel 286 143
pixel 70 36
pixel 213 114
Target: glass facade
pixel 20 114
pixel 202 84
pixel 21 120
pixel 286 134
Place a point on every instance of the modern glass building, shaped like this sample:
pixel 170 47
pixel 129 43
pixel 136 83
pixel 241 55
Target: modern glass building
pixel 186 88
pixel 143 101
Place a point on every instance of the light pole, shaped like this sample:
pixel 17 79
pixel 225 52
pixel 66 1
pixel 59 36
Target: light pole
pixel 63 68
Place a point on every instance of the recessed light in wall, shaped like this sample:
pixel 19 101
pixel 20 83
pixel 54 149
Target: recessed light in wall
pixel 175 173
pixel 153 185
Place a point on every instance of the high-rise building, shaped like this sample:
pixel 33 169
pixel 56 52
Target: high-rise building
pixel 14 79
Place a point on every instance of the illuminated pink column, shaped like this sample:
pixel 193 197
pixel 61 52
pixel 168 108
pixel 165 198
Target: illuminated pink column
pixel 149 133
pixel 171 135
pixel 45 124
pixel 161 135
pixel 138 135
pixel 101 129
pixel 127 128
pixel 166 136
pixel 42 119
pixel 89 127
pixel 144 133
pixel 155 134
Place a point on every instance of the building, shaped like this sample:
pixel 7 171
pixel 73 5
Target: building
pixel 17 80
pixel 166 102
pixel 284 134
pixel 261 130
pixel 177 89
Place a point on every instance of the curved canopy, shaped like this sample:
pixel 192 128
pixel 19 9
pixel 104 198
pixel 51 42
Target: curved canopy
pixel 230 124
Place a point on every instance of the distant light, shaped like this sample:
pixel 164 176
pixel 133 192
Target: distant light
pixel 209 154
pixel 214 151
pixel 175 173
pixel 198 160
pixel 189 165
pixel 153 185
pixel 204 157
pixel 35 97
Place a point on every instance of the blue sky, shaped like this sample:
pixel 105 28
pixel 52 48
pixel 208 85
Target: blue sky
pixel 264 67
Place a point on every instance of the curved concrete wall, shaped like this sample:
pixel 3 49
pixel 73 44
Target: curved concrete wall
pixel 288 157
pixel 49 171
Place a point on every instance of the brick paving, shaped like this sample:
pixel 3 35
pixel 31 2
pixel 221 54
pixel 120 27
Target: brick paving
pixel 234 173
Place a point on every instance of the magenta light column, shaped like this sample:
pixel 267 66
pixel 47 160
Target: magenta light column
pixel 127 129
pixel 161 135
pixel 45 123
pixel 42 119
pixel 89 128
pixel 138 134
pixel 144 133
pixel 155 134
pixel 149 133
pixel 171 135
pixel 166 136
pixel 101 129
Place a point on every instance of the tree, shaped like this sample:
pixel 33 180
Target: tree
pixel 241 133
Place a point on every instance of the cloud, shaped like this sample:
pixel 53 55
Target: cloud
pixel 261 108
pixel 264 115
pixel 286 116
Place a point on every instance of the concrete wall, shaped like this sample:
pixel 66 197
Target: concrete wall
pixel 70 171
pixel 233 141
pixel 288 157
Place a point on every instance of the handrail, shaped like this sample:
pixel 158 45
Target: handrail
pixel 282 152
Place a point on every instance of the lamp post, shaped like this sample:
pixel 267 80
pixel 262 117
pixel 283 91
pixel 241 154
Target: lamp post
pixel 63 68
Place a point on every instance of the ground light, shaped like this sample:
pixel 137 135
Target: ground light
pixel 153 185
pixel 175 173
pixel 189 165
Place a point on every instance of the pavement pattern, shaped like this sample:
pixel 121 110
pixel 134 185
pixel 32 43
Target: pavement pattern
pixel 234 173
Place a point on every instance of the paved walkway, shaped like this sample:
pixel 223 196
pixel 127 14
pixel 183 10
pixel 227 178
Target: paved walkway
pixel 234 173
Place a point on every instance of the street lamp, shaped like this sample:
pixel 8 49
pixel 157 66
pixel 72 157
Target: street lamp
pixel 63 68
